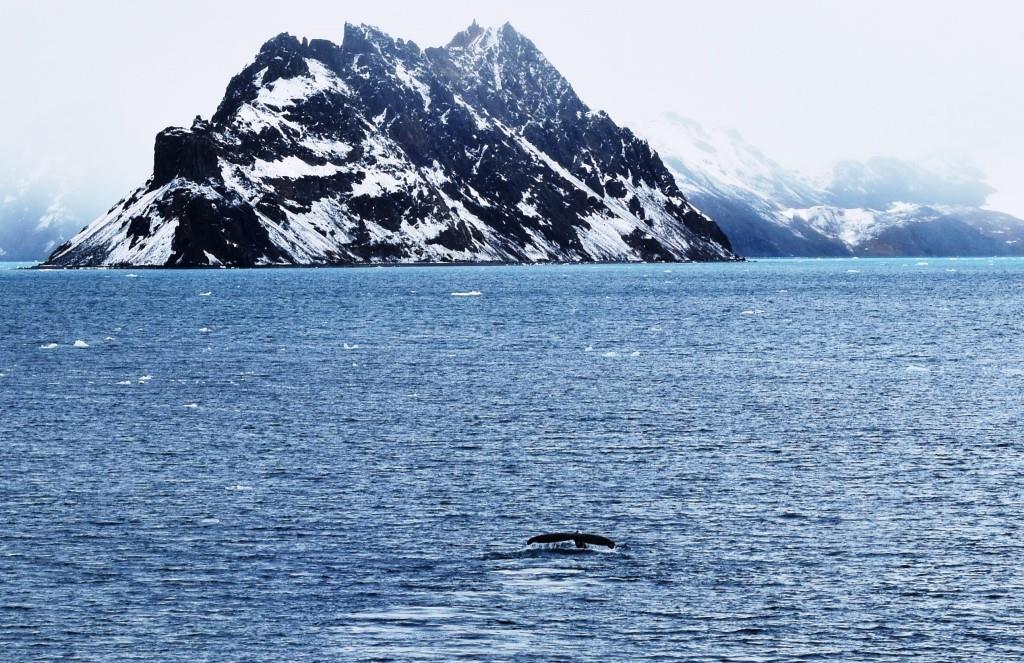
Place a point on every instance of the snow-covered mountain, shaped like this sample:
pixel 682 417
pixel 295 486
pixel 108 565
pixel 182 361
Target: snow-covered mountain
pixel 375 150
pixel 881 207
pixel 35 217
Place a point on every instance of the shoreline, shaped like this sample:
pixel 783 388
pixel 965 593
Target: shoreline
pixel 467 263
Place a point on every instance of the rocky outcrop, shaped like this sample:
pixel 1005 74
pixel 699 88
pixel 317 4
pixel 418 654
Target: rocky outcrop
pixel 377 151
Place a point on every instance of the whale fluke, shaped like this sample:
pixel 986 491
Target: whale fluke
pixel 579 538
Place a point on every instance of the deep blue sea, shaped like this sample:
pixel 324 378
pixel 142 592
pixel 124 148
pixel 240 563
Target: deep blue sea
pixel 814 459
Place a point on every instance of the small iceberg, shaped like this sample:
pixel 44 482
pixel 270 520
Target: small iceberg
pixel 204 330
pixel 48 346
pixel 191 406
pixel 352 346
pixel 469 293
pixel 145 378
pixel 206 294
pixel 80 344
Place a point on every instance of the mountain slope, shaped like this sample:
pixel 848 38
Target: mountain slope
pixel 742 189
pixel 35 216
pixel 377 151
pixel 881 207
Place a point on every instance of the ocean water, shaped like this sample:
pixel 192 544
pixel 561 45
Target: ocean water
pixel 799 459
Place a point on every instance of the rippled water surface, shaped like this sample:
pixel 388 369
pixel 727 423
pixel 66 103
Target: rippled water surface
pixel 815 459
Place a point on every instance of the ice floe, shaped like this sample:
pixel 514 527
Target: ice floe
pixel 48 346
pixel 205 294
pixel 80 344
pixel 468 293
pixel 145 378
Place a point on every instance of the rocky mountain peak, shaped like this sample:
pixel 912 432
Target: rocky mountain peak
pixel 376 151
pixel 467 36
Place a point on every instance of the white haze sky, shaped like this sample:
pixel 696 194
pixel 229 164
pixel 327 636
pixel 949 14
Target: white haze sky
pixel 86 85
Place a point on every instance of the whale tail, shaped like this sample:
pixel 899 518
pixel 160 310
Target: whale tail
pixel 580 539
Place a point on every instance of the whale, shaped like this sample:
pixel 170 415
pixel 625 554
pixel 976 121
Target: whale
pixel 581 539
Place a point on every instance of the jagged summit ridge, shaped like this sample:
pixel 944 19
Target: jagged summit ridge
pixel 375 150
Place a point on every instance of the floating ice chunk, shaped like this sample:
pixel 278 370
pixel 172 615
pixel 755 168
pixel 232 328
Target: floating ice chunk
pixel 108 338
pixel 610 353
pixel 468 293
pixel 352 346
pixel 853 271
pixel 753 311
pixel 634 353
pixel 204 330
pixel 239 486
pixel 48 346
pixel 80 344
pixel 123 382
pixel 589 348
pixel 145 378
pixel 206 294
pixel 191 406
pixel 131 276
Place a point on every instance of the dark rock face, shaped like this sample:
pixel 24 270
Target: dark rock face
pixel 377 151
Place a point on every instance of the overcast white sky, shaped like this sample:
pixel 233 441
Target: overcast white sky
pixel 87 84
